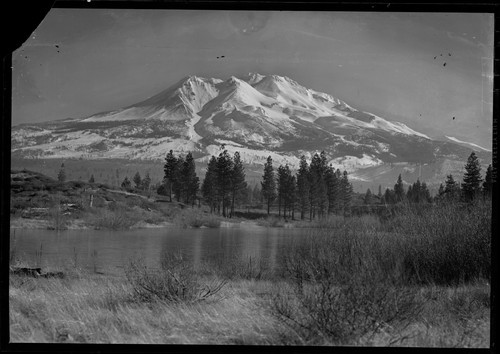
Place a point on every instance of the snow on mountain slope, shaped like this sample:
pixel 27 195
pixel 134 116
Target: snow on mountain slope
pixel 255 114
pixel 466 143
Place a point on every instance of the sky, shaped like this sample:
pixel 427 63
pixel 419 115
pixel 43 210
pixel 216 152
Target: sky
pixel 431 71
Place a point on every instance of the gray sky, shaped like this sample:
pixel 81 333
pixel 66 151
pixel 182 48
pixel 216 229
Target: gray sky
pixel 80 62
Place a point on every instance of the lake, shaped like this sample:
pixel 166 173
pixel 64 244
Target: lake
pixel 111 251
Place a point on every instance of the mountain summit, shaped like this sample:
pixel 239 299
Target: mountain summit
pixel 258 115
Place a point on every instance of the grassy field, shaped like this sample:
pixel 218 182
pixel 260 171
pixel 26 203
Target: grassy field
pixel 419 279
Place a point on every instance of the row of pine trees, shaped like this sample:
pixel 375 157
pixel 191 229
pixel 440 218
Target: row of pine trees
pixel 471 187
pixel 316 190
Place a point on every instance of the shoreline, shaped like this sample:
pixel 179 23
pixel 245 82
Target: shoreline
pixel 79 224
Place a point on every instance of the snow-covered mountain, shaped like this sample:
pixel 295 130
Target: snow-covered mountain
pixel 254 114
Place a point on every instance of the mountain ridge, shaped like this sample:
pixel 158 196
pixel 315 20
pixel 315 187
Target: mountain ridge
pixel 257 114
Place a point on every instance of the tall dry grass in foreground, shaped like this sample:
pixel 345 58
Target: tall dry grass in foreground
pixel 420 279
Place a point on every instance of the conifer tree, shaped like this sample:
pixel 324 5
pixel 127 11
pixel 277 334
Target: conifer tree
pixel 451 189
pixel 224 180
pixel 209 186
pixel 346 193
pixel 61 176
pixel 440 191
pixel 190 182
pixel 268 184
pixel 126 185
pixel 471 184
pixel 146 182
pixel 137 180
pixel 488 182
pixel 303 186
pixel 399 189
pixel 368 197
pixel 91 179
pixel 281 186
pixel 332 183
pixel 238 183
pixel 389 196
pixel 286 189
pixel 425 193
pixel 178 185
pixel 169 168
pixel 318 193
pixel 291 198
pixel 379 191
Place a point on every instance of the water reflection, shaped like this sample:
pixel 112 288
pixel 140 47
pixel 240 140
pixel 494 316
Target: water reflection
pixel 111 251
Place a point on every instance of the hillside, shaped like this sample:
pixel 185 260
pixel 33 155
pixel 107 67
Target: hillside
pixel 254 114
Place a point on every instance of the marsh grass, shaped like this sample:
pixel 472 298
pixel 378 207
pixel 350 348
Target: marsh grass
pixel 445 244
pixel 194 217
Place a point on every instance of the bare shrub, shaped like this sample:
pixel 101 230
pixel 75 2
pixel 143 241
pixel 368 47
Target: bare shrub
pixel 340 290
pixel 240 267
pixel 175 281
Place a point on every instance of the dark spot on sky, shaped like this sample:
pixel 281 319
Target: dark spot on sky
pixel 435 57
pixel 449 54
pixel 444 64
pixel 57 46
pixel 440 55
pixel 223 56
pixel 453 118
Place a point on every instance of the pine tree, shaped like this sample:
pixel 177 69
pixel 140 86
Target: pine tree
pixel 451 189
pixel 471 184
pixel 224 180
pixel 346 193
pixel 146 182
pixel 126 185
pixel 209 186
pixel 303 186
pixel 425 194
pixel 178 185
pixel 399 189
pixel 281 186
pixel 291 198
pixel 318 194
pixel 368 197
pixel 169 168
pixel 91 179
pixel 61 176
pixel 332 187
pixel 379 191
pixel 268 184
pixel 389 196
pixel 238 183
pixel 190 181
pixel 137 180
pixel 488 183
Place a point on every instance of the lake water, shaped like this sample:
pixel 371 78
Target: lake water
pixel 111 251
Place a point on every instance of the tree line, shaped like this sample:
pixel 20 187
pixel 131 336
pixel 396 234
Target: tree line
pixel 471 188
pixel 316 190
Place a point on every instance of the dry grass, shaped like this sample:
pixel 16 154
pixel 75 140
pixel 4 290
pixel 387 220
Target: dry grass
pixel 100 309
pixel 420 279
